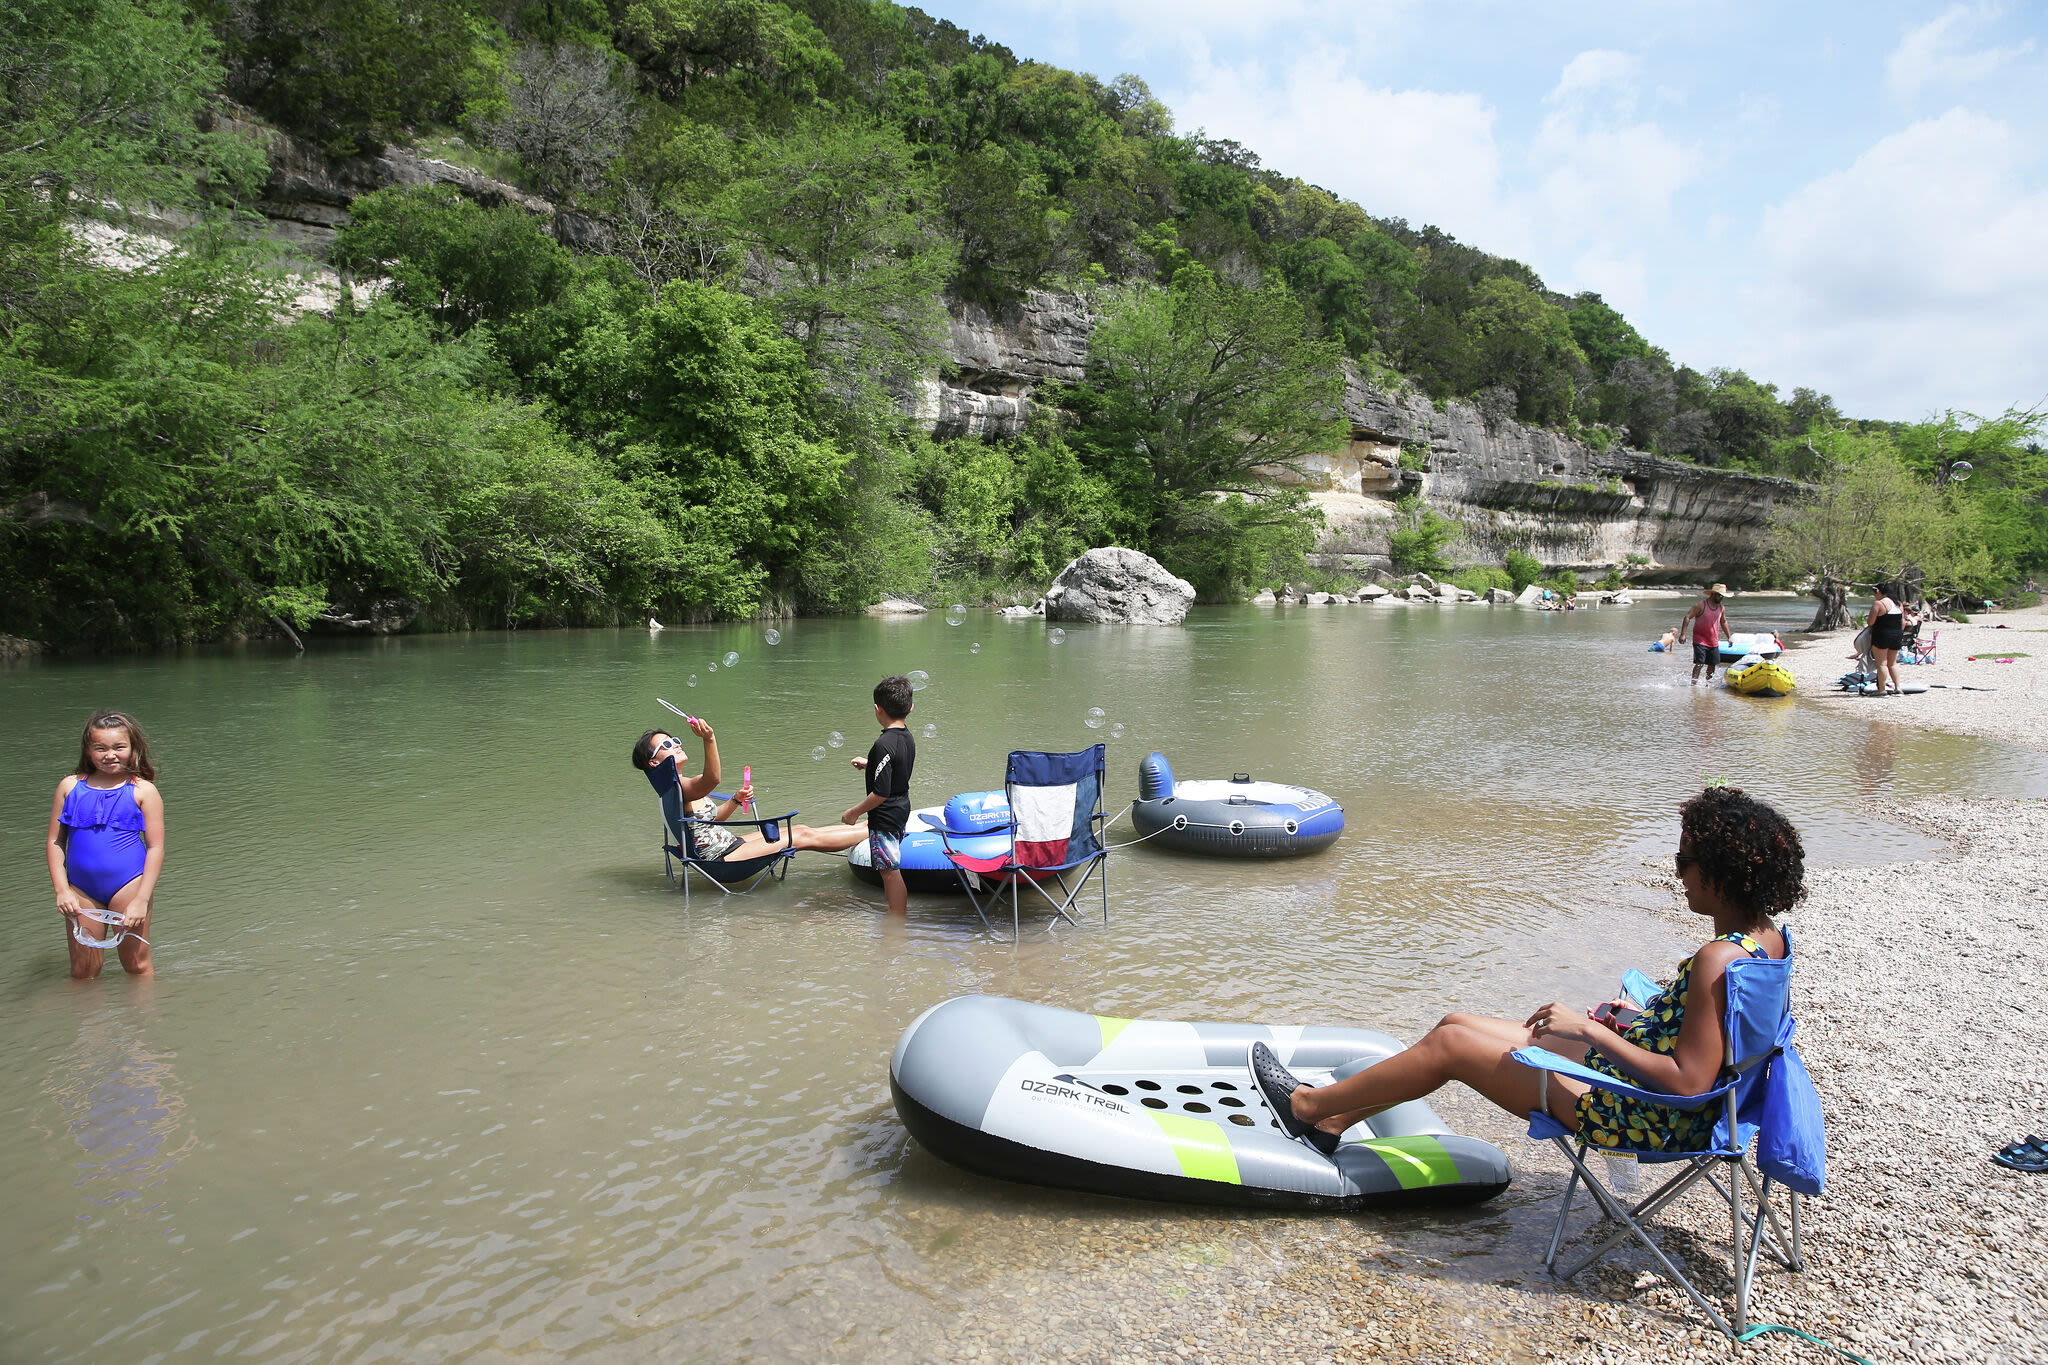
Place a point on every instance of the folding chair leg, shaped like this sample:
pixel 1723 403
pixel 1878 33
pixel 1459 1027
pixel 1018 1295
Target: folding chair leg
pixel 1631 1228
pixel 1741 1278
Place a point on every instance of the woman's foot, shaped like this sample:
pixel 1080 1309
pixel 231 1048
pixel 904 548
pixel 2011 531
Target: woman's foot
pixel 1278 1085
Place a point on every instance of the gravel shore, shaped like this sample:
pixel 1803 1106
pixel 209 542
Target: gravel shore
pixel 1923 1022
pixel 2013 706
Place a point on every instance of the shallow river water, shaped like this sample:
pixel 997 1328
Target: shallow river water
pixel 435 1064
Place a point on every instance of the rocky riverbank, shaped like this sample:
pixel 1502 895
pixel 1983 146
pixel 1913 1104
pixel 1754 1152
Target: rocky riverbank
pixel 1921 1021
pixel 1921 1024
pixel 1974 686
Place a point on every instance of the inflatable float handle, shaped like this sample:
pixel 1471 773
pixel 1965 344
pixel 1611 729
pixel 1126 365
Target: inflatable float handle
pixel 1155 778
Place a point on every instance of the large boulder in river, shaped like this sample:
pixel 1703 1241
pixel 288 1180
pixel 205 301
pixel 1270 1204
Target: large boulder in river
pixel 896 606
pixel 1118 586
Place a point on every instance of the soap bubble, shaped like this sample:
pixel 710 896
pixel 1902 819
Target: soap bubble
pixel 919 679
pixel 974 648
pixel 732 659
pixel 772 636
pixel 1116 731
pixel 693 680
pixel 836 740
pixel 955 614
pixel 931 731
pixel 1096 715
pixel 712 667
pixel 817 753
pixel 1055 636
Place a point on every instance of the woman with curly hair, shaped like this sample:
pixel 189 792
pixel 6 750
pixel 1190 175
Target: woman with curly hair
pixel 1740 862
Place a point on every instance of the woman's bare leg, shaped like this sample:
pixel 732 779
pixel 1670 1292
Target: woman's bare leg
pixel 1464 1047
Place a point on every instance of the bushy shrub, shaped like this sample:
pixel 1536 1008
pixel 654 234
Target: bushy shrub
pixel 1522 569
pixel 1481 580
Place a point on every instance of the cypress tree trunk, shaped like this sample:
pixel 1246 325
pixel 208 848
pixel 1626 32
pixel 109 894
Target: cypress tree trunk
pixel 1833 612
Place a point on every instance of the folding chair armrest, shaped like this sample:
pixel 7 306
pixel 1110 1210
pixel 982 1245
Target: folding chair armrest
pixel 1544 1060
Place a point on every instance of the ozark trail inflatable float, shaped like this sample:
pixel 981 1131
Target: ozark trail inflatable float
pixel 1239 818
pixel 1154 1109
pixel 978 824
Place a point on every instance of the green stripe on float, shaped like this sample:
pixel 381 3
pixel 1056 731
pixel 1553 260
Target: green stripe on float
pixel 1200 1147
pixel 1416 1161
pixel 1110 1027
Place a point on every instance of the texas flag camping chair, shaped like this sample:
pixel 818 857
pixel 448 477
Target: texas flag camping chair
pixel 731 876
pixel 1759 1033
pixel 1055 814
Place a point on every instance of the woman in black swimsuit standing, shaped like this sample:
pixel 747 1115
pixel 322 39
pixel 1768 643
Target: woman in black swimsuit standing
pixel 1887 636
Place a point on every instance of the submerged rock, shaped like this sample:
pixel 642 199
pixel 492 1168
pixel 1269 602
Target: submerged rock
pixel 1118 586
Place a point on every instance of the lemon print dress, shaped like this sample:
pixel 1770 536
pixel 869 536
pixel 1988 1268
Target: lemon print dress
pixel 1608 1120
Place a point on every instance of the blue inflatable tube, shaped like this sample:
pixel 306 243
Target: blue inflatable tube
pixel 1240 818
pixel 978 823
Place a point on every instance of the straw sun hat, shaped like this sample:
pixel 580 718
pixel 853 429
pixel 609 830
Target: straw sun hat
pixel 1718 590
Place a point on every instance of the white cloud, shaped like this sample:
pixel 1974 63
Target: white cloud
pixel 1606 181
pixel 1934 53
pixel 1915 279
pixel 1423 155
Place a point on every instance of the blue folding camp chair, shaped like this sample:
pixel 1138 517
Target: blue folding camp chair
pixel 1759 1030
pixel 678 845
pixel 1055 810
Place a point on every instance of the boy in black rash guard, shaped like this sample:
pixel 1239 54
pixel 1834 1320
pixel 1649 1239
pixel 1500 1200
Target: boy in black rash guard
pixel 887 806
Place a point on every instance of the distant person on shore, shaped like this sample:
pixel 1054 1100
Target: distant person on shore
pixel 887 804
pixel 106 847
pixel 1887 637
pixel 1740 862
pixel 713 843
pixel 1706 625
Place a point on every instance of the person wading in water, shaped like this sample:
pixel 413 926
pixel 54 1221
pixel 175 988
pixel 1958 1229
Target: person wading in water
pixel 1707 624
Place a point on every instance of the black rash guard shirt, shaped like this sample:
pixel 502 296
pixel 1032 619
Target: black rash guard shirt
pixel 889 763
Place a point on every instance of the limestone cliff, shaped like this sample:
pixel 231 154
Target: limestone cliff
pixel 1510 486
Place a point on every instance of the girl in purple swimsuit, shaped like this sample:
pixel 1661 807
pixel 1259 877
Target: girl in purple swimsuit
pixel 107 846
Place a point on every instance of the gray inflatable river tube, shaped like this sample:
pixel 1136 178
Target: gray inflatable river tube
pixel 1158 1109
pixel 1240 818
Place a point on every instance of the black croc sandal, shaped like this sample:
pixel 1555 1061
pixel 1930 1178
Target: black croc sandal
pixel 1278 1085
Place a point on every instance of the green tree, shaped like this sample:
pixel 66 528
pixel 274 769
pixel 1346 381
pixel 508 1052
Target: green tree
pixel 451 258
pixel 351 74
pixel 1524 342
pixel 2005 487
pixel 1422 538
pixel 1206 390
pixel 841 221
pixel 1523 569
pixel 100 102
pixel 1870 520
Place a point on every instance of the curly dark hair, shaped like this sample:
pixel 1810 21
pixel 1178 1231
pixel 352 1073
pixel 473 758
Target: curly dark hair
pixel 1745 849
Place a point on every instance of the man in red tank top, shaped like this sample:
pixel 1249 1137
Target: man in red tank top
pixel 1707 626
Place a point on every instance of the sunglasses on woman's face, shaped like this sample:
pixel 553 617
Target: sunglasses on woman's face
pixel 1683 861
pixel 667 744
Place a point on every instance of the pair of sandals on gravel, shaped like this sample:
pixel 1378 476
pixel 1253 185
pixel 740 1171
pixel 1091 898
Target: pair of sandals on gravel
pixel 2030 1156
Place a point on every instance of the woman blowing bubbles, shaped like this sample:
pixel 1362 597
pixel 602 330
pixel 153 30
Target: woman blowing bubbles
pixel 106 846
pixel 1740 862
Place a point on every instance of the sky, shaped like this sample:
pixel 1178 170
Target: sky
pixel 1850 197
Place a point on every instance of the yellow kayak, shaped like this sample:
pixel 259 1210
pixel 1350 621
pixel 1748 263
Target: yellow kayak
pixel 1754 677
